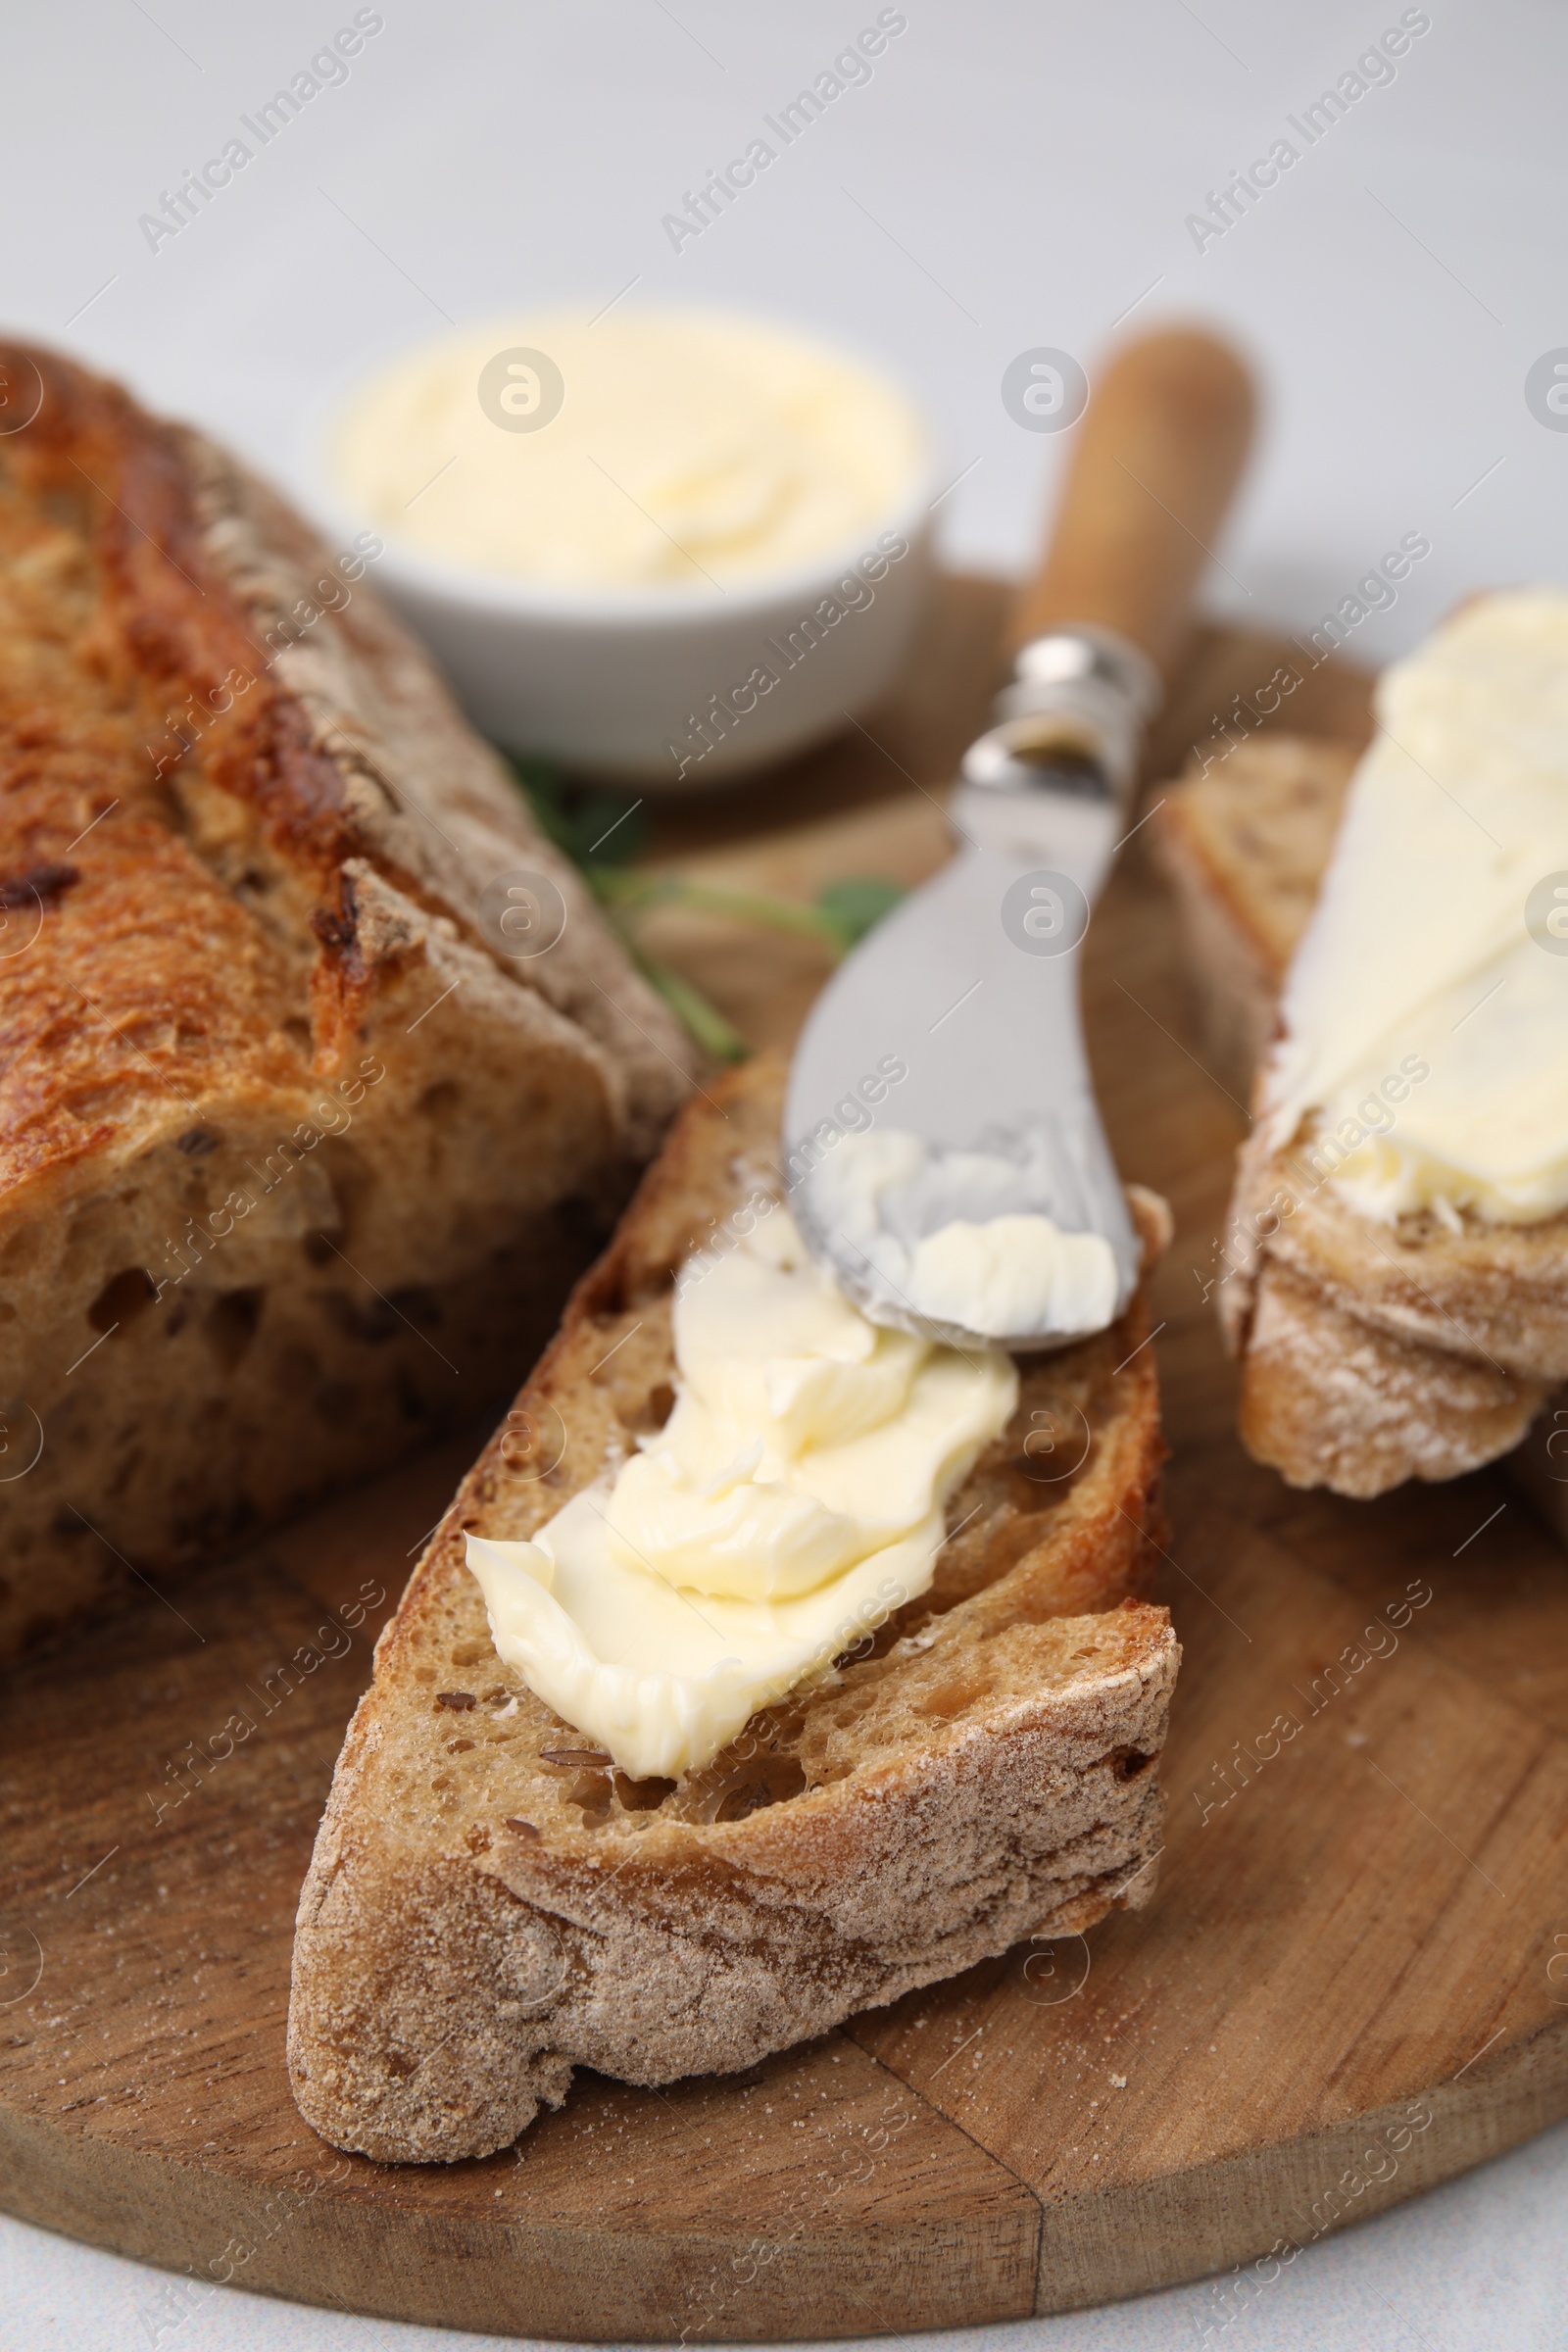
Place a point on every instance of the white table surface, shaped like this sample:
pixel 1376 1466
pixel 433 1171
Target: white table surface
pixel 1013 175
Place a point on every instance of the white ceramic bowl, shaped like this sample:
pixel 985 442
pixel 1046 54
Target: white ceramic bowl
pixel 662 687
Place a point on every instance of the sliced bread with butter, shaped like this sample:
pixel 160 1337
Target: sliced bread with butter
pixel 1371 1350
pixel 297 1158
pixel 492 1904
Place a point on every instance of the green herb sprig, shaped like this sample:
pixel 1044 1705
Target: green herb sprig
pixel 603 832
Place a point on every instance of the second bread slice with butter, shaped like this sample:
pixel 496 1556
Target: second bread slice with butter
pixel 491 1905
pixel 1369 1355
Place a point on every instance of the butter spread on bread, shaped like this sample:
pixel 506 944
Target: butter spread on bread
pixel 1370 1352
pixel 1423 1018
pixel 794 1499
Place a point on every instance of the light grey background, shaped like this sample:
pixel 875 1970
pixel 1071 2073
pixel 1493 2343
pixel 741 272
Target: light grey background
pixel 1013 175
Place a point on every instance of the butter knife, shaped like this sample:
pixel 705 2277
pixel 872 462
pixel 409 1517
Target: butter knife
pixel 941 1080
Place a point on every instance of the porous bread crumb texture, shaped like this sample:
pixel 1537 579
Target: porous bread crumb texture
pixel 1370 1353
pixel 294 1167
pixel 491 1903
pixel 1244 841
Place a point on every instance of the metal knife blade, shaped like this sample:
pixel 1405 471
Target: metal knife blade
pixel 959 1014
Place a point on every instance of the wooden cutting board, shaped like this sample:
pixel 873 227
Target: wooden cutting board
pixel 1353 1982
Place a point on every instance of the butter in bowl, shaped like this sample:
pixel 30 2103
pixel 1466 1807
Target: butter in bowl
pixel 660 547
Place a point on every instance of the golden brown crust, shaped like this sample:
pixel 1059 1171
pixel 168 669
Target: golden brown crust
pixel 489 1907
pixel 177 599
pixel 244 835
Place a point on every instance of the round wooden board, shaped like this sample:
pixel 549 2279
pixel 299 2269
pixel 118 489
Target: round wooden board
pixel 1347 1989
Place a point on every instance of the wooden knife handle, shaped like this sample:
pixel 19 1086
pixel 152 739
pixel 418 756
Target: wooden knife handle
pixel 1161 449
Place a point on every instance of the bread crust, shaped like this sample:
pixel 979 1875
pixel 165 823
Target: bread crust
pixel 479 1920
pixel 1374 1353
pixel 244 836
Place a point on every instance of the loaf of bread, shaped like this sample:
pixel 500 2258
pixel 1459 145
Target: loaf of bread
pixel 491 1903
pixel 296 1157
pixel 1369 1355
